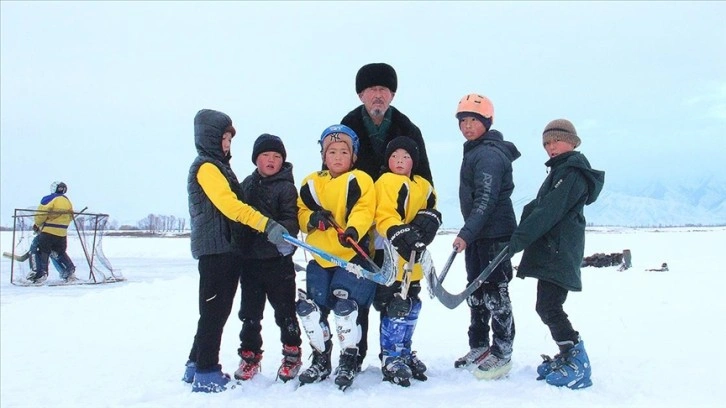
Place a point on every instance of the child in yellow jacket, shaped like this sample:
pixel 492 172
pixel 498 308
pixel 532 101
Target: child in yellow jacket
pixel 337 196
pixel 406 214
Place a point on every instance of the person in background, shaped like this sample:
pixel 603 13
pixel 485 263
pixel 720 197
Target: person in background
pixel 54 215
pixel 267 270
pixel 552 234
pixel 406 214
pixel 213 205
pixel 337 196
pixel 376 123
pixel 485 190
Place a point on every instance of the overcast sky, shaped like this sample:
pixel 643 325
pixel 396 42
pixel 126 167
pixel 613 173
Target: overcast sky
pixel 102 95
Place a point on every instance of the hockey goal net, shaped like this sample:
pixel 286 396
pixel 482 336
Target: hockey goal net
pixel 85 249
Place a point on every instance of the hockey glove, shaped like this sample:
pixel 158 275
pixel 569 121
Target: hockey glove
pixel 350 232
pixel 275 232
pixel 320 219
pixel 36 229
pixel 428 222
pixel 406 239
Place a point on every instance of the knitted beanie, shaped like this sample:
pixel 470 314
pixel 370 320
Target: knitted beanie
pixel 561 129
pixel 268 143
pixel 376 74
pixel 405 143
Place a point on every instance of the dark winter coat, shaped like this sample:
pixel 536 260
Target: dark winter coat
pixel 275 197
pixel 210 228
pixel 374 163
pixel 485 188
pixel 552 229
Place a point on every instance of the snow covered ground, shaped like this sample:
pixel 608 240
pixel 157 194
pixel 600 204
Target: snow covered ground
pixel 653 337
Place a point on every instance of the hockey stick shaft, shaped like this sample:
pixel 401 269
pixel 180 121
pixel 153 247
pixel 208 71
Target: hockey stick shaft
pixel 451 301
pixel 349 266
pixel 358 249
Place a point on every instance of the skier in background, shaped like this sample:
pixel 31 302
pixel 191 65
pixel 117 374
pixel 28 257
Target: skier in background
pixel 552 234
pixel 54 214
pixel 406 214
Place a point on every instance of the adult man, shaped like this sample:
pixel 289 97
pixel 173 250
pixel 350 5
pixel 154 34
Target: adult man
pixel 376 123
pixel 54 214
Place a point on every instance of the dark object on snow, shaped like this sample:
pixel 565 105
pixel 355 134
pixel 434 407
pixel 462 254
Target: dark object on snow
pixel 601 260
pixel 663 268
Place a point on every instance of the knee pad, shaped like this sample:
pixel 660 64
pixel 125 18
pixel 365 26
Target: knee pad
pixel 346 326
pixel 398 307
pixel 317 331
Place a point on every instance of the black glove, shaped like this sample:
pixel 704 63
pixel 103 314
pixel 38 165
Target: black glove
pixel 36 229
pixel 275 232
pixel 320 219
pixel 428 222
pixel 406 239
pixel 350 232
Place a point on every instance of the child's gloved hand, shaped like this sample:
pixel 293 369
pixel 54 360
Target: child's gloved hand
pixel 351 233
pixel 320 219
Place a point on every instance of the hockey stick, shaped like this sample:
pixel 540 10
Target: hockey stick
pixel 406 280
pixel 357 270
pixel 451 300
pixel 20 258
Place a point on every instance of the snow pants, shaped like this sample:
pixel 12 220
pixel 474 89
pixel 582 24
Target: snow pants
pixel 218 280
pixel 491 301
pixel 550 301
pixel 270 280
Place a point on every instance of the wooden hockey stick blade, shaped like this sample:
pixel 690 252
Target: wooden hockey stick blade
pixel 20 258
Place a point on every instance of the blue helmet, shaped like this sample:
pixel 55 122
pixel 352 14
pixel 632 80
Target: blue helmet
pixel 334 131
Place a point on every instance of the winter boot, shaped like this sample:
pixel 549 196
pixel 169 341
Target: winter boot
pixel 347 368
pixel 475 356
pixel 320 368
pixel 548 365
pixel 249 364
pixel 189 369
pixel 574 371
pixel 291 363
pixel 492 367
pixel 418 368
pixel 213 380
pixel 396 371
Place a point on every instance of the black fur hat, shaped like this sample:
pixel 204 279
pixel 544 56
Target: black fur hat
pixel 405 143
pixel 378 73
pixel 268 143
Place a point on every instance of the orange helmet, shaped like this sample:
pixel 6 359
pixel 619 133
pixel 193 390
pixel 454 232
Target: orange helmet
pixel 475 103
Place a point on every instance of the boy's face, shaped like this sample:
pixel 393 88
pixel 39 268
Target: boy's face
pixel 471 127
pixel 226 143
pixel 268 163
pixel 400 162
pixel 338 158
pixel 556 147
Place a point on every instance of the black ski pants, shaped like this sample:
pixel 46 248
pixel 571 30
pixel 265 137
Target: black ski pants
pixel 491 301
pixel 218 280
pixel 272 280
pixel 550 301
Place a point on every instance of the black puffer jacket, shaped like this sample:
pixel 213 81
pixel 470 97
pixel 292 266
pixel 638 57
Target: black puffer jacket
pixel 210 228
pixel 275 197
pixel 552 229
pixel 373 162
pixel 485 188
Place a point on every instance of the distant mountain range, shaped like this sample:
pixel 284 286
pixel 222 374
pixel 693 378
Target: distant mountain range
pixel 648 204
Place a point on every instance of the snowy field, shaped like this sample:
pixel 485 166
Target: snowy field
pixel 653 337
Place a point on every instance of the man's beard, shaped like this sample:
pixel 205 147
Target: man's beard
pixel 377 112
